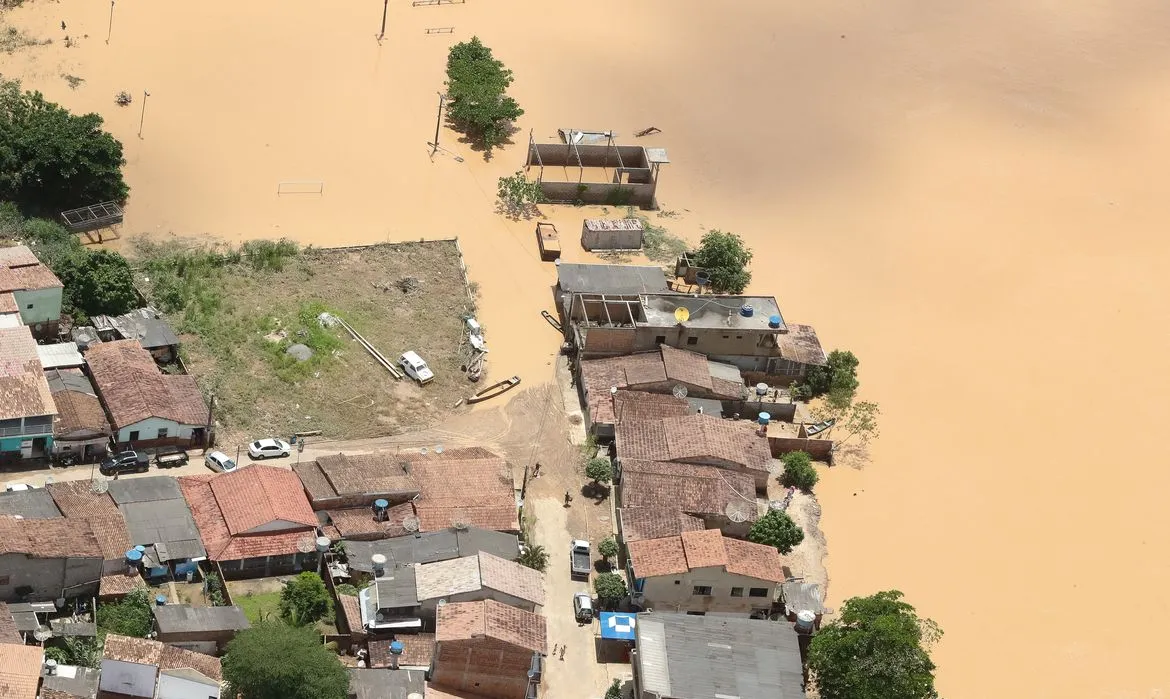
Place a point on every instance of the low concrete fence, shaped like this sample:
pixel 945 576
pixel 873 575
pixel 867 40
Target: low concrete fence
pixel 818 449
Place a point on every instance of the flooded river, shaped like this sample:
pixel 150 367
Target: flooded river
pixel 970 196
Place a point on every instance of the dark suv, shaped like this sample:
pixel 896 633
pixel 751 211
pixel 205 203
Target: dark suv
pixel 126 462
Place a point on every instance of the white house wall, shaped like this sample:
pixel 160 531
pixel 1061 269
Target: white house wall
pixel 128 678
pixel 148 429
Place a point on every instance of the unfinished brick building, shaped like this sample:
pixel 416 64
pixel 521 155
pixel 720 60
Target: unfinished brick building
pixel 488 648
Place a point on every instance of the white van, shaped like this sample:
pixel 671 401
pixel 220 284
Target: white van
pixel 415 367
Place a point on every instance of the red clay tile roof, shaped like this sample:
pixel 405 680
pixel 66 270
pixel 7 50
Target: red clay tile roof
pixel 694 438
pixel 656 523
pixel 8 632
pixel 358 523
pixel 469 620
pixel 257 495
pixel 48 538
pixel 143 651
pixel 634 406
pixel 511 578
pixel 20 670
pixel 381 472
pixel 112 536
pixel 8 303
pixel 690 488
pixel 17 256
pixel 351 612
pixel 217 538
pixel 677 554
pixel 20 270
pixel 78 411
pixel 417 650
pixel 119 584
pixel 469 486
pixel 800 344
pixel 78 499
pixel 134 389
pixel 686 367
pixel 24 392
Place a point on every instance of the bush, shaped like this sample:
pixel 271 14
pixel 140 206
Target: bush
pixel 610 589
pixel 534 557
pixel 347 589
pixel 517 193
pixel 97 282
pixel 614 691
pixel 476 99
pixel 725 259
pixel 215 590
pixel 776 529
pixel 275 661
pixel 798 471
pixel 599 470
pixel 304 600
pixel 837 379
pixel 608 547
pixel 130 617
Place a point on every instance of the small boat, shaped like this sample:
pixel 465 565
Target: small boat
pixel 811 430
pixel 495 389
pixel 552 321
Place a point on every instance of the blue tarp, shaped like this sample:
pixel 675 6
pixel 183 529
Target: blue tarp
pixel 618 626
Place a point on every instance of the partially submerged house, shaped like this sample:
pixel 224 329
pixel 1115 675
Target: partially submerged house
pixel 683 656
pixel 490 649
pixel 479 577
pixel 201 629
pixel 81 429
pixel 140 667
pixel 747 331
pixel 622 280
pixel 31 289
pixel 157 519
pixel 733 445
pixel 720 499
pixel 606 173
pixel 146 407
pixel 26 404
pixel 254 521
pixel 47 559
pixel 705 572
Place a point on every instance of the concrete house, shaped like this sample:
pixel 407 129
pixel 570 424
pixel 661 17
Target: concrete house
pixel 720 499
pixel 139 667
pixel 733 445
pixel 705 573
pixel 26 404
pixel 45 559
pixel 81 428
pixel 431 547
pixel 146 407
pixel 479 577
pixel 387 606
pixel 31 288
pixel 157 518
pixel 681 656
pixel 253 521
pixel 488 648
pixel 78 502
pixel 201 629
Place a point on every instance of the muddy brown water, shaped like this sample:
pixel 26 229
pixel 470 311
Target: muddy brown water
pixel 970 196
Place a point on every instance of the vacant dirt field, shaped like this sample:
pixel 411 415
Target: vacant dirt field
pixel 237 349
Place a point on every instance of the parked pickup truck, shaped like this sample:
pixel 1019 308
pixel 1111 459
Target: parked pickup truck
pixel 579 559
pixel 169 457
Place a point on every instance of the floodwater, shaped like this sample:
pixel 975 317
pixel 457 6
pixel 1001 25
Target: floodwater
pixel 970 196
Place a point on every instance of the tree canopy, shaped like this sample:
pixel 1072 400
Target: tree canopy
pixel 876 649
pixel 725 259
pixel 608 547
pixel 272 660
pixel 599 470
pixel 610 588
pixel 776 529
pixel 837 379
pixel 304 599
pixel 798 471
pixel 535 557
pixel 476 99
pixel 52 160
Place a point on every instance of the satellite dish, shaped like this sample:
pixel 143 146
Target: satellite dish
pixel 307 544
pixel 410 523
pixel 42 634
pixel 438 448
pixel 736 511
pixel 99 486
pixel 682 314
pixel 679 391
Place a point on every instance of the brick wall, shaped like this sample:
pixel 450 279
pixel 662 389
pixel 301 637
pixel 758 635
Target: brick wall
pixel 483 666
pixel 818 449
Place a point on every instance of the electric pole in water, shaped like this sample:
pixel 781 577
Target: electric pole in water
pixel 438 121
pixel 110 31
pixel 142 117
pixel 385 7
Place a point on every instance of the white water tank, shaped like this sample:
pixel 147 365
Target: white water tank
pixel 805 620
pixel 323 544
pixel 378 562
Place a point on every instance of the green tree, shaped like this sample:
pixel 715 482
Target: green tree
pixel 614 691
pixel 347 589
pixel 599 470
pixel 837 379
pixel 798 471
pixel 535 557
pixel 96 282
pixel 608 548
pixel 51 160
pixel 130 617
pixel 476 99
pixel 276 661
pixel 877 649
pixel 853 421
pixel 518 194
pixel 304 600
pixel 610 589
pixel 725 259
pixel 776 529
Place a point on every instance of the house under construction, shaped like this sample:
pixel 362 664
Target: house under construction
pixel 596 170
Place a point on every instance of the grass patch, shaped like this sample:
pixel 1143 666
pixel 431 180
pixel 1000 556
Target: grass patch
pixel 73 80
pixel 258 606
pixel 658 244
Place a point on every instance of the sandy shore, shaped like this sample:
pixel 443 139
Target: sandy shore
pixel 968 196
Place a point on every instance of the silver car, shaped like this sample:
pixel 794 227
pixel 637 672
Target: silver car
pixel 219 462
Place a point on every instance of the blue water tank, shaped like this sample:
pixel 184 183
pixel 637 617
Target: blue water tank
pixel 381 503
pixel 746 310
pixel 396 647
pixel 765 418
pixel 140 548
pixel 160 600
pixel 133 556
pixel 773 321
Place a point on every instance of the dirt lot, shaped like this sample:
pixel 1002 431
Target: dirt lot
pixel 238 317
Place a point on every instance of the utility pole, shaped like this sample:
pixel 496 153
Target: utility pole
pixel 110 31
pixel 438 121
pixel 385 8
pixel 142 117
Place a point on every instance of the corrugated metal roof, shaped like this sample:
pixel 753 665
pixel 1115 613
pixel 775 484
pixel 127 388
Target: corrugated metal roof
pixel 60 356
pixel 611 279
pixel 181 618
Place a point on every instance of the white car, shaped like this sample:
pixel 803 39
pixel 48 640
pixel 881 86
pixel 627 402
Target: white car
pixel 415 367
pixel 268 448
pixel 219 462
